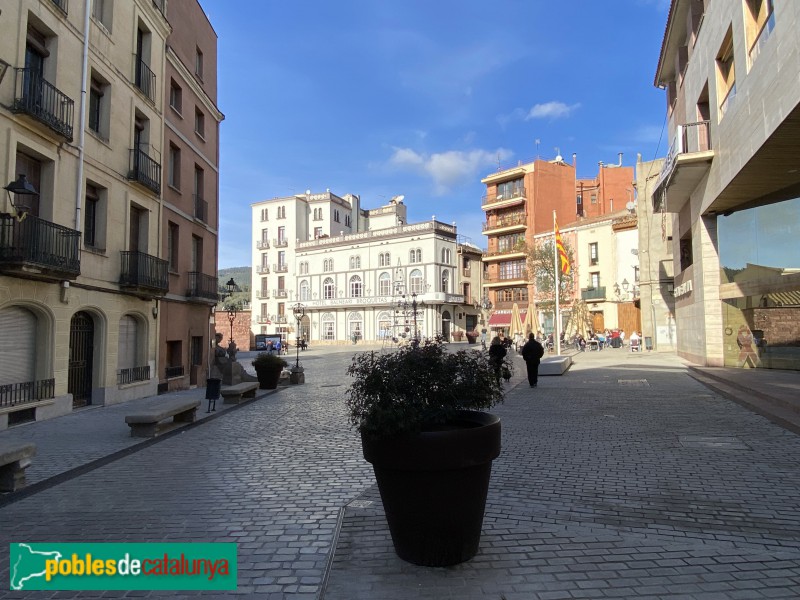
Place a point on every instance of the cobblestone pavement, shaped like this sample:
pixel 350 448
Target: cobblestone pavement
pixel 624 478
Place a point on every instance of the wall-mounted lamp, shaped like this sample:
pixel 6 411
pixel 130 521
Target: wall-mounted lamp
pixel 155 311
pixel 20 192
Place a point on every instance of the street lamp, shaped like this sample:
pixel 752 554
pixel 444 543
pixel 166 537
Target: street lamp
pixel 299 312
pixel 625 286
pixel 415 309
pixel 21 189
pixel 230 288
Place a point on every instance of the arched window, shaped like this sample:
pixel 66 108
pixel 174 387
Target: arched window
pixel 446 281
pixel 418 255
pixel 385 260
pixel 415 281
pixel 327 265
pixel 305 290
pixel 328 290
pixel 412 256
pixel 328 326
pixel 384 284
pixel 355 262
pixel 355 322
pixel 446 256
pixel 355 286
pixel 384 325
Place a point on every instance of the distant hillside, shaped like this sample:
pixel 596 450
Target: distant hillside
pixel 241 275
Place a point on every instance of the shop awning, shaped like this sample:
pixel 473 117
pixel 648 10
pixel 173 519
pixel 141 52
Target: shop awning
pixel 504 319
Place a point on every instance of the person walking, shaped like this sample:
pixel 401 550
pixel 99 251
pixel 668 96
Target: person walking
pixel 497 352
pixel 532 353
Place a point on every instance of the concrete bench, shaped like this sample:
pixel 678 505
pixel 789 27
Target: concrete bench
pixel 14 459
pixel 146 420
pixel 554 365
pixel 234 394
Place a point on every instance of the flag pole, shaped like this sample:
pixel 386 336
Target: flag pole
pixel 556 261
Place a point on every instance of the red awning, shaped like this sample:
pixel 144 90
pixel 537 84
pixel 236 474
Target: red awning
pixel 504 319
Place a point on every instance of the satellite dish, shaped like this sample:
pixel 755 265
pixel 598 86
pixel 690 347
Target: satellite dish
pixel 397 199
pixel 630 206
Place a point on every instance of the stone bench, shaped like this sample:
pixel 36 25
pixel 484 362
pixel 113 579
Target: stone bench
pixel 146 419
pixel 234 394
pixel 14 459
pixel 555 365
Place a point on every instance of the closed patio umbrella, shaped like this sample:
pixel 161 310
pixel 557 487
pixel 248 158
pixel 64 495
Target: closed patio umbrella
pixel 516 321
pixel 529 326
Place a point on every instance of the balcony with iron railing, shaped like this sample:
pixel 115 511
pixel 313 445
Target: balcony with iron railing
pixel 281 319
pixel 144 274
pixel 173 372
pixel 133 374
pixel 145 170
pixel 514 196
pixel 262 294
pixel 507 279
pixel 687 163
pixel 280 293
pixel 262 244
pixel 263 319
pixel 280 243
pixel 202 286
pixel 593 294
pixel 515 221
pixel 516 251
pixel 144 78
pixel 61 5
pixel 37 247
pixel 262 269
pixel 200 208
pixel 27 392
pixel 36 97
pixel 280 268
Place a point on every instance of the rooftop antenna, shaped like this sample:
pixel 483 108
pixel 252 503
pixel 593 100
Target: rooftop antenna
pixel 538 141
pixel 498 162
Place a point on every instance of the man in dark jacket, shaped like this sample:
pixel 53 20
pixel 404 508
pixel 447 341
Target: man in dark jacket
pixel 532 353
pixel 497 352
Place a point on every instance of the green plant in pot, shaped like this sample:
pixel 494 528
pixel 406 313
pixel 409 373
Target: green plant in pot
pixel 268 370
pixel 419 412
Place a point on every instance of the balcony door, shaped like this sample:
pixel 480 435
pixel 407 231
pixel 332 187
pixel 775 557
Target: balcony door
pixel 32 169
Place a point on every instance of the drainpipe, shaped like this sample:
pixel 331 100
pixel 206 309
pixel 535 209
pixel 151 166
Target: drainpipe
pixel 82 128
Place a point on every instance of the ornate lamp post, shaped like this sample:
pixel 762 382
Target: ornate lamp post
pixel 232 312
pixel 299 312
pixel 21 189
pixel 297 375
pixel 411 309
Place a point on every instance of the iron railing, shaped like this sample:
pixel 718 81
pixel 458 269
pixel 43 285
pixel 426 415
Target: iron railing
pixel 200 208
pixel 505 221
pixel 262 294
pixel 281 319
pixel 37 97
pixel 172 372
pixel 262 244
pixel 280 293
pixel 61 5
pixel 262 269
pixel 14 394
pixel 280 243
pixel 595 293
pixel 145 79
pixel 34 242
pixel 202 286
pixel 145 170
pixel 143 271
pixel 133 375
pixel 280 268
pixel 516 193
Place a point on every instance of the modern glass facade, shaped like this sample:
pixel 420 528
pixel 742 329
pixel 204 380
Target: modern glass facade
pixel 759 256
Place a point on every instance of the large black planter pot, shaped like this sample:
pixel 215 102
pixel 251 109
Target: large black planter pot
pixel 434 486
pixel 268 377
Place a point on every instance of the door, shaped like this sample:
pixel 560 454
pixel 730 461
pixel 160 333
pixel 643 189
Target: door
pixel 81 341
pixel 598 322
pixel 446 325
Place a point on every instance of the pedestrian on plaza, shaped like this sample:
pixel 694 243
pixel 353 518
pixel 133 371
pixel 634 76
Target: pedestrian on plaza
pixel 497 352
pixel 278 347
pixel 532 353
pixel 483 337
pixel 269 347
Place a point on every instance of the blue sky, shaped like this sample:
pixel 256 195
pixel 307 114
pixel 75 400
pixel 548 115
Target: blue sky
pixel 424 98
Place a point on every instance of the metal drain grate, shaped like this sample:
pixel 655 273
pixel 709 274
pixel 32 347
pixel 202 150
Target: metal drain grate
pixel 634 382
pixel 360 503
pixel 716 442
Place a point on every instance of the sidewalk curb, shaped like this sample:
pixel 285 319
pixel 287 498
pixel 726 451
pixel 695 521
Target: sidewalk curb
pixel 45 484
pixel 758 402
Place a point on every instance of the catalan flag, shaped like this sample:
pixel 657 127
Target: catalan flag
pixel 562 253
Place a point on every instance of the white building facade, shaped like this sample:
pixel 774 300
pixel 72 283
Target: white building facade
pixel 357 273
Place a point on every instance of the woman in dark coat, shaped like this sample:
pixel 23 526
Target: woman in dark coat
pixel 532 353
pixel 497 353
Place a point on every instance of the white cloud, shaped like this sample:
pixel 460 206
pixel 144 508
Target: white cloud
pixel 551 110
pixel 449 168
